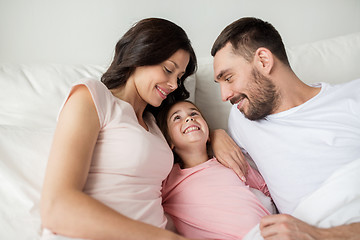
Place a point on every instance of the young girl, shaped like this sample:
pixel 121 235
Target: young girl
pixel 204 198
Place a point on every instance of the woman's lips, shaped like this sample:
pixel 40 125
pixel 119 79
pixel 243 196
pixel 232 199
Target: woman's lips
pixel 162 92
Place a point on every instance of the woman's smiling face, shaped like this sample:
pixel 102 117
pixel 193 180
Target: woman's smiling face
pixel 154 83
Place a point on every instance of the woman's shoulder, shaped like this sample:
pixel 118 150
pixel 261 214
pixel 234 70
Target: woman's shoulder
pixel 99 93
pixel 94 85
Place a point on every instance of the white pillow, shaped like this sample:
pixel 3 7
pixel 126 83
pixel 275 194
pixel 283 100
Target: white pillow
pixel 208 97
pixel 190 85
pixel 31 95
pixel 333 60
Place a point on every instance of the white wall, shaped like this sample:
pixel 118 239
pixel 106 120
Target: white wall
pixel 86 31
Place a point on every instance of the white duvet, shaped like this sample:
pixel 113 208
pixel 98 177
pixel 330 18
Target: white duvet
pixel 335 203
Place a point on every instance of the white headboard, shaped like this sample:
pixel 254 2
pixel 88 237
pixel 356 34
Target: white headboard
pixel 86 31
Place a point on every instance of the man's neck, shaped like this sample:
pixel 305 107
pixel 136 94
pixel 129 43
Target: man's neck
pixel 293 92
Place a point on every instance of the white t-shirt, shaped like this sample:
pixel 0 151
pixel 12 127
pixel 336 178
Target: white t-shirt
pixel 298 149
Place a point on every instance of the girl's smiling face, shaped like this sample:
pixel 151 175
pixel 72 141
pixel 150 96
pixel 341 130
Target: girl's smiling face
pixel 186 126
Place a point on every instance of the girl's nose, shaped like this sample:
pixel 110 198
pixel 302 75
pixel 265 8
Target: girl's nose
pixel 189 119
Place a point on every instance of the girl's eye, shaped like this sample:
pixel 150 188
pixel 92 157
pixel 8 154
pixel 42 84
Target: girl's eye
pixel 176 118
pixel 194 114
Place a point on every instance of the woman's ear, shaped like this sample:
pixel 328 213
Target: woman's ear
pixel 264 60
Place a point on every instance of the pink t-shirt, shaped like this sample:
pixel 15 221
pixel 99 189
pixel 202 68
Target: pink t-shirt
pixel 129 163
pixel 210 201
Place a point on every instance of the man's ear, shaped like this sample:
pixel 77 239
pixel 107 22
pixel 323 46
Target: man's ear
pixel 264 60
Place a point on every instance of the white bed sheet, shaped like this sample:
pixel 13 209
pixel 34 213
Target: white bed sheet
pixel 335 203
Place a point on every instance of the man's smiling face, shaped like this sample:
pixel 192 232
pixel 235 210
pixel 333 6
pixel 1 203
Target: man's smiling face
pixel 242 84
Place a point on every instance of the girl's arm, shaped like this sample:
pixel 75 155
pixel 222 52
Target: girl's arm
pixel 65 209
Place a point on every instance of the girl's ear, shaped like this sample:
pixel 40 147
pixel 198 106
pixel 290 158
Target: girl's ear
pixel 172 146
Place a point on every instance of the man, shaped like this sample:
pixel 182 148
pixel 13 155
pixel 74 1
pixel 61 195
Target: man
pixel 298 135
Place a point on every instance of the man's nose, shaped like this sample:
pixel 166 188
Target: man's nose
pixel 226 93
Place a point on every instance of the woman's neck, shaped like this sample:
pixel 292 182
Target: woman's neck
pixel 128 94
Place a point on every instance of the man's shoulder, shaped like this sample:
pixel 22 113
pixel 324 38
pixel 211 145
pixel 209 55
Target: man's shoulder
pixel 354 84
pixel 351 85
pixel 347 90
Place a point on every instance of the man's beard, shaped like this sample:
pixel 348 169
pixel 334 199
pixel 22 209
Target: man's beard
pixel 262 98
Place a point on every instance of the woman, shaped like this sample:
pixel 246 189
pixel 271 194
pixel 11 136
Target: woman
pixel 108 157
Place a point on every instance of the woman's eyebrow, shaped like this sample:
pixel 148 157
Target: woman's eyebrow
pixel 177 66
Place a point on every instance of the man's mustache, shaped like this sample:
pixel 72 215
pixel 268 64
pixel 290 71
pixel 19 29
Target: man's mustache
pixel 237 98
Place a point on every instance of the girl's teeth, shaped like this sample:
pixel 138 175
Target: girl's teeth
pixel 191 129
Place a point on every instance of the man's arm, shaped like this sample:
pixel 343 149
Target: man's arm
pixel 284 226
pixel 228 153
